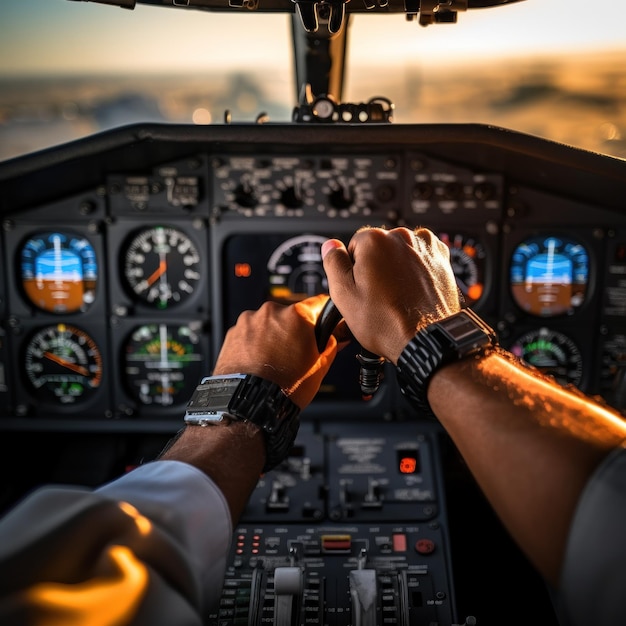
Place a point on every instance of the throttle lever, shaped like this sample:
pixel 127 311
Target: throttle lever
pixel 371 365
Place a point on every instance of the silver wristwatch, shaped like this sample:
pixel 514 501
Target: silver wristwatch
pixel 248 398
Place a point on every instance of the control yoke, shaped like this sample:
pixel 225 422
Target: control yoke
pixel 371 372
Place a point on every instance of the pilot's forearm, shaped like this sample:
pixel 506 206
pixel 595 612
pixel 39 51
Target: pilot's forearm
pixel 231 455
pixel 276 343
pixel 531 446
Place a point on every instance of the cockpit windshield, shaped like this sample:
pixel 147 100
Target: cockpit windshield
pixel 555 69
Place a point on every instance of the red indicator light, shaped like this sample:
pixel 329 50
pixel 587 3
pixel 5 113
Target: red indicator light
pixel 399 542
pixel 243 270
pixel 407 465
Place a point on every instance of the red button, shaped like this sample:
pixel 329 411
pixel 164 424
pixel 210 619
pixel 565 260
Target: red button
pixel 424 546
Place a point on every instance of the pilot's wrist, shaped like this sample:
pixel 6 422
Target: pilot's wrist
pixel 230 444
pixel 449 340
pixel 223 399
pixel 232 455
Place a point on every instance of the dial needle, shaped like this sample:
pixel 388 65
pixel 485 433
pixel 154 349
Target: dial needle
pixel 159 271
pixel 65 363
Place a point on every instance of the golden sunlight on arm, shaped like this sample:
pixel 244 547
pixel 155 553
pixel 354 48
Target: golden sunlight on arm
pixel 531 445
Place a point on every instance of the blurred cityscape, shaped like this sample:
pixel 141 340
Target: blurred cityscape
pixel 578 100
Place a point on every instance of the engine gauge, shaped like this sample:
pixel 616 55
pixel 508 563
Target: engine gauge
pixel 551 352
pixel 549 275
pixel 467 257
pixel 295 269
pixel 161 266
pixel 59 271
pixel 63 364
pixel 162 363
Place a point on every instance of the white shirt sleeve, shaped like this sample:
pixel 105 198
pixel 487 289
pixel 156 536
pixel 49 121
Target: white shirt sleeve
pixel 593 586
pixel 150 547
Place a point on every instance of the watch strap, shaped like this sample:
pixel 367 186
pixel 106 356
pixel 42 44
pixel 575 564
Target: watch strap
pixel 255 400
pixel 454 338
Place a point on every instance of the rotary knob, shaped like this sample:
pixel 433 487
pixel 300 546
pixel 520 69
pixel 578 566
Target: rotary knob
pixel 341 195
pixel 245 195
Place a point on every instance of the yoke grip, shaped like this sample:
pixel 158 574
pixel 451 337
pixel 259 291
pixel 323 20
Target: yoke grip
pixel 326 323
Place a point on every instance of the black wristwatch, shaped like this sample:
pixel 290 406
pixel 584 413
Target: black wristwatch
pixel 252 399
pixel 451 339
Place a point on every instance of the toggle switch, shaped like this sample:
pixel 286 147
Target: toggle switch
pixel 372 499
pixel 278 499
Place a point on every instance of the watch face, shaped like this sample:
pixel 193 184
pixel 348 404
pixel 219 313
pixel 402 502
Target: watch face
pixel 213 395
pixel 466 331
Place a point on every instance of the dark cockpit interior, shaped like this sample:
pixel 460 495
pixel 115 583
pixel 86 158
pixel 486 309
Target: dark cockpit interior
pixel 125 256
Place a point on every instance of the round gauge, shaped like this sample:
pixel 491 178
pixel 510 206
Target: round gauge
pixel 63 364
pixel 467 257
pixel 59 272
pixel 161 266
pixel 549 275
pixel 295 269
pixel 162 363
pixel 551 352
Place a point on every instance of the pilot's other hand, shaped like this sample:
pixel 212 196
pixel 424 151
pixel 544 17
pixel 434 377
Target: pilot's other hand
pixel 277 342
pixel 388 284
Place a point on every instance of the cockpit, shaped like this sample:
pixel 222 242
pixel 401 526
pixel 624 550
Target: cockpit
pixel 128 252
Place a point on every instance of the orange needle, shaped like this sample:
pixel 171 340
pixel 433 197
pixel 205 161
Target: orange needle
pixel 157 272
pixel 79 369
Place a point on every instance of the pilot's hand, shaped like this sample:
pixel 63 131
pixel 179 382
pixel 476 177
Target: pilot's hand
pixel 277 342
pixel 389 283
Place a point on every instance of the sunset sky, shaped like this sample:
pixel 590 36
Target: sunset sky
pixel 46 36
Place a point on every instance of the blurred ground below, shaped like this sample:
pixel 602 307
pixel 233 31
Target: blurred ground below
pixel 576 100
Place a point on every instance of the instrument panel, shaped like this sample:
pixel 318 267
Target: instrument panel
pixel 125 257
pixel 117 290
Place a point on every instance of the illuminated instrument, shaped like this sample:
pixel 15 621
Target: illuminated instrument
pixel 162 363
pixel 467 256
pixel 552 352
pixel 549 275
pixel 59 271
pixel 295 269
pixel 161 266
pixel 63 364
